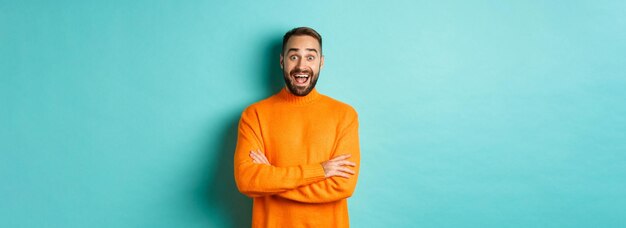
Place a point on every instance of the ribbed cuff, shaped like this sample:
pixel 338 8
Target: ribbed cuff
pixel 312 173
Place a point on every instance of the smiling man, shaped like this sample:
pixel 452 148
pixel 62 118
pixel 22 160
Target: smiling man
pixel 298 151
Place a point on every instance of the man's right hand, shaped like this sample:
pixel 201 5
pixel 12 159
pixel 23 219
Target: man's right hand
pixel 337 166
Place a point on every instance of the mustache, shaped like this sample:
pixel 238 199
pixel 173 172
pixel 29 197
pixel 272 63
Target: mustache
pixel 300 71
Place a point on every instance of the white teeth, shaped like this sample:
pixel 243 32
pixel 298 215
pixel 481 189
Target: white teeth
pixel 302 76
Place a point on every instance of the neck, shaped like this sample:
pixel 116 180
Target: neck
pixel 286 94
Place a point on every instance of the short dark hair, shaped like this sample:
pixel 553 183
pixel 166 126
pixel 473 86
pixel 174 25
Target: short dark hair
pixel 301 31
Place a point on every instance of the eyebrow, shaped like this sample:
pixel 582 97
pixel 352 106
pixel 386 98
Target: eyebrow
pixel 297 49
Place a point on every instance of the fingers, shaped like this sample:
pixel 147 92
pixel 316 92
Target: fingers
pixel 338 166
pixel 338 170
pixel 263 157
pixel 345 162
pixel 258 157
pixel 255 157
pixel 346 170
pixel 341 172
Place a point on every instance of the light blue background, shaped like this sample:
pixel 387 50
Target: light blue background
pixel 472 113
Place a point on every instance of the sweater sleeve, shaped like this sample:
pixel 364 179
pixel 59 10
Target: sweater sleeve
pixel 256 180
pixel 333 188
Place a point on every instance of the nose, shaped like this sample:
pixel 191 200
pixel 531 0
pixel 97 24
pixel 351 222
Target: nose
pixel 300 65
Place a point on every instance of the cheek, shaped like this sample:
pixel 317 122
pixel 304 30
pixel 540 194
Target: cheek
pixel 285 65
pixel 315 67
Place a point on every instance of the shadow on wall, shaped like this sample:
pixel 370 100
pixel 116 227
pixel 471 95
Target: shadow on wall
pixel 274 77
pixel 223 193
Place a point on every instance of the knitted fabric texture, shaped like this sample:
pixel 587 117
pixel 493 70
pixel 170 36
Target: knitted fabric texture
pixel 297 134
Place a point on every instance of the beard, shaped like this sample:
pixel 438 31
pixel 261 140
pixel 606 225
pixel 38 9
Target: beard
pixel 300 90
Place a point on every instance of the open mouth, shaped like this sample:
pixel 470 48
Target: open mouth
pixel 301 79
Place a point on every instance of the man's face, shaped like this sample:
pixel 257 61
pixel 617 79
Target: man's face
pixel 301 62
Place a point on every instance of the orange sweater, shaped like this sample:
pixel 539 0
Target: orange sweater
pixel 297 134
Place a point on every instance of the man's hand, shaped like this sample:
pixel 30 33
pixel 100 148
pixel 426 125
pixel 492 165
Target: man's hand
pixel 332 167
pixel 336 166
pixel 258 157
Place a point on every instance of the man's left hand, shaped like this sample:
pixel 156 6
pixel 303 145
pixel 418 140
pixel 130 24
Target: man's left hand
pixel 258 157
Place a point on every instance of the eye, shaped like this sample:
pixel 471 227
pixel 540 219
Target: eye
pixel 293 57
pixel 310 58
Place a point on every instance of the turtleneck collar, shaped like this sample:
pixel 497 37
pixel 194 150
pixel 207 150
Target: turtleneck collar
pixel 287 96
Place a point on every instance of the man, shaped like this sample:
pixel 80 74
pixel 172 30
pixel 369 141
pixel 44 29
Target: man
pixel 297 151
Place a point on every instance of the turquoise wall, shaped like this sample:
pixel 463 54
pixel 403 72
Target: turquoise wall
pixel 472 113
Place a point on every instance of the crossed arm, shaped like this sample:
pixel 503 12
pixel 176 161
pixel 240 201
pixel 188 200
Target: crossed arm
pixel 328 181
pixel 333 167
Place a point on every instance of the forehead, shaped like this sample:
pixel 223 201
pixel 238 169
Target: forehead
pixel 302 42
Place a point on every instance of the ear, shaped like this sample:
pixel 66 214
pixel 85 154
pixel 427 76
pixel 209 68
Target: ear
pixel 322 62
pixel 281 61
